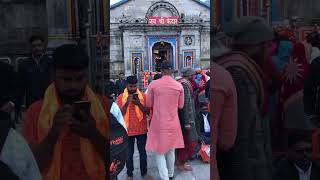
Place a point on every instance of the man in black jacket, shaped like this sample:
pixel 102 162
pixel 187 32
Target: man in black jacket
pixel 34 73
pixel 121 84
pixel 203 123
pixel 298 164
pixel 312 85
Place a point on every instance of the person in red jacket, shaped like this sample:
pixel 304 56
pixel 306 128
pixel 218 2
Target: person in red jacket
pixel 224 114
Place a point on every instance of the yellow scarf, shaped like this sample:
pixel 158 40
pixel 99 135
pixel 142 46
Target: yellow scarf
pixel 93 163
pixel 139 113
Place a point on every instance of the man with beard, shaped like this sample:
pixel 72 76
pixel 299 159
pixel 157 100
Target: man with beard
pixel 187 117
pixel 34 73
pixel 67 139
pixel 298 165
pixel 249 158
pixel 132 104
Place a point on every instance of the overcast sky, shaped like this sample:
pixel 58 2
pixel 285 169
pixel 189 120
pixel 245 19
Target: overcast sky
pixel 115 1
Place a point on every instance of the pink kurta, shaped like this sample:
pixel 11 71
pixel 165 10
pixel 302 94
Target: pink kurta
pixel 165 96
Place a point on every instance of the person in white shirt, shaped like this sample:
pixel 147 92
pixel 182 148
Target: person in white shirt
pixel 116 112
pixel 17 155
pixel 313 40
pixel 203 123
pixel 298 165
pixel 177 75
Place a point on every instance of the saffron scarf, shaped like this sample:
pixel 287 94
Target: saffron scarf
pixel 138 111
pixel 93 163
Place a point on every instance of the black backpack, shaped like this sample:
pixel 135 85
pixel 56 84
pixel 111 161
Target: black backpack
pixel 118 147
pixel 5 171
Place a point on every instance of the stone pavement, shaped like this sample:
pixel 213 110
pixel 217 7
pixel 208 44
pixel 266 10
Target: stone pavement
pixel 201 171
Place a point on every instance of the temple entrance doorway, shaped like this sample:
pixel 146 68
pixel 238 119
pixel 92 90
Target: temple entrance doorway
pixel 161 51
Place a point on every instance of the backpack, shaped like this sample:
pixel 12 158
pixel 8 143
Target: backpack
pixel 5 171
pixel 118 147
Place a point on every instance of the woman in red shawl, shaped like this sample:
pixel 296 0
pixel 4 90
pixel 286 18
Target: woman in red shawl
pixel 199 81
pixel 293 78
pixel 294 73
pixel 199 85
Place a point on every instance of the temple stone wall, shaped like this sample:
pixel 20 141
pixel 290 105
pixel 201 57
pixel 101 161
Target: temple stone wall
pixel 139 8
pixel 128 30
pixel 18 21
pixel 308 10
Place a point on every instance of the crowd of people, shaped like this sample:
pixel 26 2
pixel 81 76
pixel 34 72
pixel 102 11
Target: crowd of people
pixel 170 118
pixel 65 126
pixel 265 100
pixel 65 123
pixel 257 107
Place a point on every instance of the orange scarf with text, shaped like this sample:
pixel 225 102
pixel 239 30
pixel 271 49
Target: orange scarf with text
pixel 138 111
pixel 93 163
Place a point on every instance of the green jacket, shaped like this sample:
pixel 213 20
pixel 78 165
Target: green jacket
pixel 187 115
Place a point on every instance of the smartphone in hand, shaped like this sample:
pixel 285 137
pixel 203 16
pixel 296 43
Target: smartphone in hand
pixel 81 106
pixel 135 96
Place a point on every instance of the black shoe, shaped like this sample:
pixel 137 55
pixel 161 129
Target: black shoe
pixel 171 178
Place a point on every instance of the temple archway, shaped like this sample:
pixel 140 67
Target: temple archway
pixel 162 8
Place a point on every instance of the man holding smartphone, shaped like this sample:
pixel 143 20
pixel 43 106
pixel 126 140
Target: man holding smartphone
pixel 68 146
pixel 132 105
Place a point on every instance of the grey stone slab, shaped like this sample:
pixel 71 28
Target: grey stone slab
pixel 201 171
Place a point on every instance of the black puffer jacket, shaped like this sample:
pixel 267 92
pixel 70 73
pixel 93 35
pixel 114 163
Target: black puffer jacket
pixel 311 91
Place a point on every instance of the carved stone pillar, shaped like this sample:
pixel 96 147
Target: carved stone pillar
pixel 58 18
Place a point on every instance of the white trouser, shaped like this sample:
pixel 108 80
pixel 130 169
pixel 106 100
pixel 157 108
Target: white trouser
pixel 165 164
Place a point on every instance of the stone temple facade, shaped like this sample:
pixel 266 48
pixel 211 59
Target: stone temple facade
pixel 136 45
pixel 55 20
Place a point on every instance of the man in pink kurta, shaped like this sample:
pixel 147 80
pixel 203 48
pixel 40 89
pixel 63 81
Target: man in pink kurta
pixel 165 96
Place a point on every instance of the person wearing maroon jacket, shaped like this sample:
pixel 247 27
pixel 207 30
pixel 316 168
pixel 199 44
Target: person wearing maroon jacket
pixel 224 113
pixel 251 42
